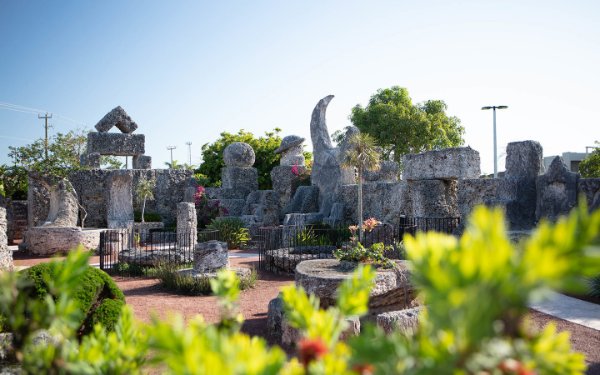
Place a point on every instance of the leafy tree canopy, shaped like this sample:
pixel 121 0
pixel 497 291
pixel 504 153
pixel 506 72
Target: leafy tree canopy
pixel 590 166
pixel 264 149
pixel 13 182
pixel 401 127
pixel 64 153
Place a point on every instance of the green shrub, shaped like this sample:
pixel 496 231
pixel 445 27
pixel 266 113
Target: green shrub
pixel 97 296
pixel 182 283
pixel 231 230
pixel 595 287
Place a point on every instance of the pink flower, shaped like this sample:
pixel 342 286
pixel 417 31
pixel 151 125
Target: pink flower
pixel 295 170
pixel 370 224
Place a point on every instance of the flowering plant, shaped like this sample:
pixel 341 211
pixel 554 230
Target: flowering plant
pixel 356 252
pixel 207 209
pixel 295 171
pixel 370 224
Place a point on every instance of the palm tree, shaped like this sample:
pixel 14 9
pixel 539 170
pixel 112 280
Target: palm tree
pixel 144 191
pixel 174 165
pixel 361 154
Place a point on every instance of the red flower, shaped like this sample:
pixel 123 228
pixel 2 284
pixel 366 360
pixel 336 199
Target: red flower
pixel 295 170
pixel 512 366
pixel 310 350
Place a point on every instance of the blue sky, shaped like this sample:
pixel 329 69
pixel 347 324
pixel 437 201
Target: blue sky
pixel 187 70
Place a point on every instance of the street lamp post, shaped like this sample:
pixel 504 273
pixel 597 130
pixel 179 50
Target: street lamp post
pixel 494 107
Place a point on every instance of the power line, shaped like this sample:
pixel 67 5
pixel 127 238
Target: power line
pixel 23 109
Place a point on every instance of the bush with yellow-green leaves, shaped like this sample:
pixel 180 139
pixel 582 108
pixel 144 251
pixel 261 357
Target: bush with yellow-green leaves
pixel 475 288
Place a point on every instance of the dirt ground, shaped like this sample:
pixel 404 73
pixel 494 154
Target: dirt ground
pixel 148 299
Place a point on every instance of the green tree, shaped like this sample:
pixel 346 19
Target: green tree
pixel 145 191
pixel 401 127
pixel 64 154
pixel 174 165
pixel 13 182
pixel 264 149
pixel 361 154
pixel 590 166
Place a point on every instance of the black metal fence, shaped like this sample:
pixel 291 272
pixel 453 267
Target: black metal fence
pixel 282 248
pixel 126 250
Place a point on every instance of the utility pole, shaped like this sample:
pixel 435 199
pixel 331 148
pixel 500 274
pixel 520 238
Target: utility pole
pixel 494 108
pixel 45 117
pixel 171 148
pixel 189 144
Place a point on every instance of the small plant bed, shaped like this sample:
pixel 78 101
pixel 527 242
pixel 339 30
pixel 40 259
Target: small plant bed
pixel 181 280
pixel 357 253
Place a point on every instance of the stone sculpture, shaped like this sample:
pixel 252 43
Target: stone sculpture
pixel 64 209
pixel 291 151
pixel 291 167
pixel 59 233
pixel 238 178
pixel 187 224
pixel 118 144
pixel 119 118
pixel 327 172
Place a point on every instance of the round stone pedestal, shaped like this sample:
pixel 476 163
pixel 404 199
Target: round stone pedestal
pixel 322 277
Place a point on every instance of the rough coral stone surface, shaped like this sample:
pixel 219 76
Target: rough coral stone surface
pixel 289 142
pixel 91 160
pixel 53 240
pixel 263 206
pixel 446 164
pixel 524 162
pixel 474 192
pixel 210 256
pixel 239 154
pixel 556 191
pixel 283 179
pixel 116 144
pixel 119 118
pixel 16 217
pixel 64 209
pixel 590 189
pixel 141 162
pixel 240 179
pixel 327 172
pixel 524 159
pixel 406 321
pixel 388 171
pixel 119 212
pixel 92 187
pixel 322 277
pixel 433 198
pixel 305 200
pixel 187 224
pixel 6 258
